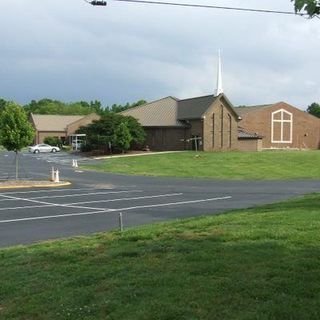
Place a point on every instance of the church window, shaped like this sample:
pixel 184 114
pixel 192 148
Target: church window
pixel 281 126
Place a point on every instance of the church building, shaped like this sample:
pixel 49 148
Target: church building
pixel 212 123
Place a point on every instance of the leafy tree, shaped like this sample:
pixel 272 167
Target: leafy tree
pixel 314 109
pixel 2 104
pixel 312 7
pixel 16 132
pixel 119 108
pixel 122 137
pixel 48 106
pixel 101 133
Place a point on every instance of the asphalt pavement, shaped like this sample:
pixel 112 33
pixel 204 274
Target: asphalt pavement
pixel 94 200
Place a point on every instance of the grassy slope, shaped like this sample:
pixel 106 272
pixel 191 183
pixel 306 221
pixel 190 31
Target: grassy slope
pixel 261 263
pixel 220 165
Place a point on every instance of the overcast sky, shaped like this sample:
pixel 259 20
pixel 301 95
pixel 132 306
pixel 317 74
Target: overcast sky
pixel 70 51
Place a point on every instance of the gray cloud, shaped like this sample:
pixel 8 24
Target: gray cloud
pixel 69 50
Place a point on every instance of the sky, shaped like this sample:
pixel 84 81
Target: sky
pixel 70 51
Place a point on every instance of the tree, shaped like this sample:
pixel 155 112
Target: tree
pixel 2 104
pixel 101 133
pixel 119 108
pixel 49 106
pixel 16 132
pixel 122 137
pixel 314 109
pixel 312 7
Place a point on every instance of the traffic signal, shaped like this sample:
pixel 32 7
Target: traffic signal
pixel 98 3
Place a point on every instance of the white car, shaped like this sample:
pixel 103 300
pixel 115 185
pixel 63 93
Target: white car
pixel 43 148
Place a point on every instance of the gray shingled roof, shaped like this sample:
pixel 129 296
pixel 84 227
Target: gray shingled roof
pixel 194 108
pixel 159 113
pixel 245 109
pixel 243 134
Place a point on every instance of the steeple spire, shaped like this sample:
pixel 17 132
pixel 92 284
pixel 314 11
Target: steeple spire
pixel 219 88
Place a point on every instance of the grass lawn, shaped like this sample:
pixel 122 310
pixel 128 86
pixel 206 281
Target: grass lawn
pixel 260 263
pixel 220 165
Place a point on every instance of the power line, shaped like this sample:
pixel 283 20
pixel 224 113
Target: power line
pixel 212 7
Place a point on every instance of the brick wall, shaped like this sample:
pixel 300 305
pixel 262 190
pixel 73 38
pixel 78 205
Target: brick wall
pixel 249 145
pixel 304 132
pixel 220 127
pixel 41 135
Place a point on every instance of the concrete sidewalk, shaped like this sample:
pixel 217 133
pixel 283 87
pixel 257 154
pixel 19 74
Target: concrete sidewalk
pixel 135 154
pixel 17 184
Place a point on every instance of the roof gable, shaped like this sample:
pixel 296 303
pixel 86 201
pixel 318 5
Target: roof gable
pixel 281 105
pixel 159 113
pixel 194 108
pixel 45 122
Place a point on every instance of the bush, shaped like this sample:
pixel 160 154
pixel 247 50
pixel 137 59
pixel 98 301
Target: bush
pixel 53 141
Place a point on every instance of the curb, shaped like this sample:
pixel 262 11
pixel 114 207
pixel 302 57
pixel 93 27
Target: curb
pixel 35 185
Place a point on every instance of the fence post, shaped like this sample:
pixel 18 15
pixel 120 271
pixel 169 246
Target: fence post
pixel 120 222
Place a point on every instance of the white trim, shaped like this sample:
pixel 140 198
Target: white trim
pixel 281 121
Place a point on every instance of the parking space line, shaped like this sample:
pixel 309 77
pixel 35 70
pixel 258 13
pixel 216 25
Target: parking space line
pixel 54 216
pixel 112 210
pixel 73 195
pixel 172 203
pixel 77 204
pixel 43 204
pixel 132 198
pixel 87 194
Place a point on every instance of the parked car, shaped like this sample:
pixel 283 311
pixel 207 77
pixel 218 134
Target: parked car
pixel 43 148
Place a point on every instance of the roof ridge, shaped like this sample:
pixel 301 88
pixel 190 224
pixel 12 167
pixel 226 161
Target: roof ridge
pixel 257 106
pixel 151 102
pixel 208 95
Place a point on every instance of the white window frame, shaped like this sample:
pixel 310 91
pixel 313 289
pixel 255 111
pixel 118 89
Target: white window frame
pixel 281 121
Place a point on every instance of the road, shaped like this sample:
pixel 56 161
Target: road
pixel 94 200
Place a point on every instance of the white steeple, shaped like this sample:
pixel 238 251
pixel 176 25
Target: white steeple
pixel 219 88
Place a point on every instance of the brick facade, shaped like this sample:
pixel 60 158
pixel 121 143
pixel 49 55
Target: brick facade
pixel 283 126
pixel 50 127
pixel 220 127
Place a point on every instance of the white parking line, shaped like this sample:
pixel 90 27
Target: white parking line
pixel 132 198
pixel 72 195
pixel 111 210
pixel 43 204
pixel 172 203
pixel 75 204
pixel 86 194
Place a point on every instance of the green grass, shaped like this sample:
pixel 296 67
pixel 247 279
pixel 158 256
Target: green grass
pixel 260 263
pixel 220 165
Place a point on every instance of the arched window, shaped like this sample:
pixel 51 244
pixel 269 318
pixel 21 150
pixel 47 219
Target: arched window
pixel 281 126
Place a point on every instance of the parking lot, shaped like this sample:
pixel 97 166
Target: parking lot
pixel 94 200
pixel 39 213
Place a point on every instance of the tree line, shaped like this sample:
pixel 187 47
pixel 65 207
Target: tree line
pixel 112 133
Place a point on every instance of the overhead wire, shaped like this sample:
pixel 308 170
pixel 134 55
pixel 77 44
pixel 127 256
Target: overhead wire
pixel 177 4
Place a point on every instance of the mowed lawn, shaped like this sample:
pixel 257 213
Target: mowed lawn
pixel 219 165
pixel 260 263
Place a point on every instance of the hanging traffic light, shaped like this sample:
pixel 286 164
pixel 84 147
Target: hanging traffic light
pixel 98 3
